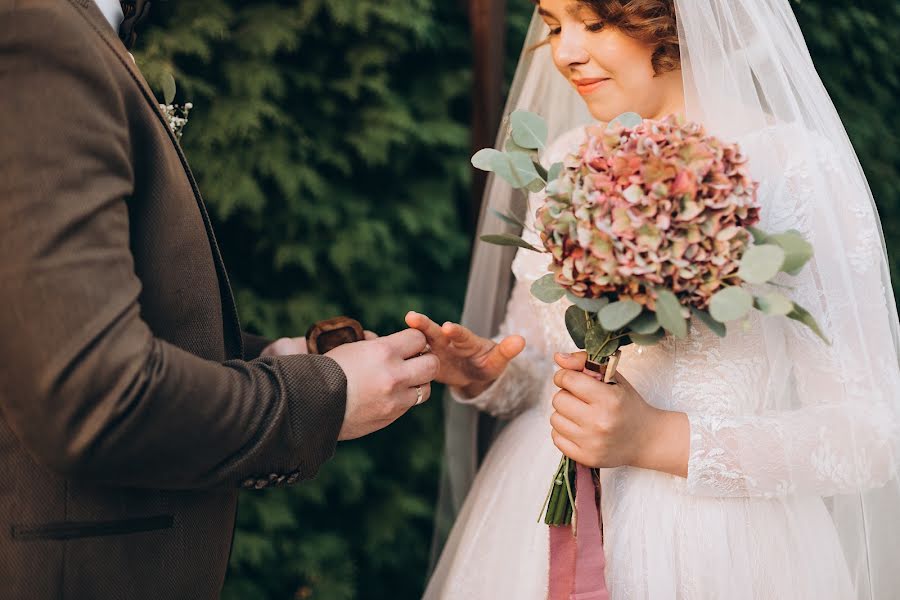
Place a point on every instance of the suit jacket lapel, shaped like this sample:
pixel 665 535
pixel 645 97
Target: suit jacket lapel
pixel 98 22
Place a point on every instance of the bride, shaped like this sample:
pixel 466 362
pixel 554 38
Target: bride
pixel 761 465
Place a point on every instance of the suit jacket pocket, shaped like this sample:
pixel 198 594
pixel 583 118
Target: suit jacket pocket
pixel 69 530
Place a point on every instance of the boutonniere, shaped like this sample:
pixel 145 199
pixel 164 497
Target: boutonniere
pixel 176 114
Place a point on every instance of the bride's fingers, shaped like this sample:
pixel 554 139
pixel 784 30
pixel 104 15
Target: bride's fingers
pixel 432 331
pixel 510 347
pixel 573 362
pixel 462 338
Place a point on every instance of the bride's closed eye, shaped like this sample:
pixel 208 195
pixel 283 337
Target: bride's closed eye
pixel 592 26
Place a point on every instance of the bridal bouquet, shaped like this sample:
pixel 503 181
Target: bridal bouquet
pixel 648 223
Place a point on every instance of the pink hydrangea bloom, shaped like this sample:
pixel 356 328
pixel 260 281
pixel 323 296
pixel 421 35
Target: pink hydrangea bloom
pixel 658 205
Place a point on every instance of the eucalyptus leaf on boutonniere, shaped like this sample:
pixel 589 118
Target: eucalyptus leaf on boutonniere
pixel 176 114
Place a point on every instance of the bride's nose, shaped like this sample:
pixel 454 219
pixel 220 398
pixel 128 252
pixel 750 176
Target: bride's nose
pixel 570 51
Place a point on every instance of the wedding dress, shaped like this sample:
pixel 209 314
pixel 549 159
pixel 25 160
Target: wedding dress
pixel 750 522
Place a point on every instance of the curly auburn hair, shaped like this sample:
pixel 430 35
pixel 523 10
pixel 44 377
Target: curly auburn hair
pixel 649 21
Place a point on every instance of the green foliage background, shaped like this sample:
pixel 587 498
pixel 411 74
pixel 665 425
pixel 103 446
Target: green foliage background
pixel 330 139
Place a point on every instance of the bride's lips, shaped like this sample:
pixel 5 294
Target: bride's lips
pixel 587 86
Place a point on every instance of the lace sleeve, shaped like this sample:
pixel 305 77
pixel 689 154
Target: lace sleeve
pixel 518 387
pixel 838 433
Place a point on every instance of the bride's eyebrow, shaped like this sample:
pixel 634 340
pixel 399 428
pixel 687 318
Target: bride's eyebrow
pixel 546 13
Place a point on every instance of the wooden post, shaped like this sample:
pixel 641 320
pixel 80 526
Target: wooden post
pixel 487 19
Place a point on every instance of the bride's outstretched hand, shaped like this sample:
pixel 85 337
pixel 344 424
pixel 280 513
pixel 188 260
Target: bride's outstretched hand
pixel 468 362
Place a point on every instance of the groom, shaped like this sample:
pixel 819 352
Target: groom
pixel 132 407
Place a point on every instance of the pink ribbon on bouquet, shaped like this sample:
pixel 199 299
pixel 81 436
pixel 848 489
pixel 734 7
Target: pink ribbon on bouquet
pixel 577 562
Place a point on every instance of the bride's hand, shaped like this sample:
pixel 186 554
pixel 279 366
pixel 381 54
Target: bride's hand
pixel 602 425
pixel 468 362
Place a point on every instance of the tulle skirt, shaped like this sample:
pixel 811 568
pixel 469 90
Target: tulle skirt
pixel 661 543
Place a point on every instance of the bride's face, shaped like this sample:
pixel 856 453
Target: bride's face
pixel 612 71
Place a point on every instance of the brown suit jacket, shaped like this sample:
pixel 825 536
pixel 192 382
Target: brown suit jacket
pixel 129 416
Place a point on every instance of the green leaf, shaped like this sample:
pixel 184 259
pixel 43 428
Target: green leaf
pixel 759 236
pixel 168 86
pixel 554 171
pixel 646 323
pixel 802 315
pixel 508 239
pixel 619 314
pixel 594 343
pixel 591 305
pixel 761 263
pixel 528 129
pixel 541 171
pixel 547 290
pixel 511 146
pixel 717 328
pixel 523 172
pixel 508 218
pixel 576 323
pixel 628 119
pixel 647 339
pixel 797 251
pixel 730 304
pixel 774 304
pixel 669 313
pixel 486 159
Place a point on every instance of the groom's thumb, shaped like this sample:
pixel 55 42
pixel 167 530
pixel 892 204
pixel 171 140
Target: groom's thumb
pixel 573 362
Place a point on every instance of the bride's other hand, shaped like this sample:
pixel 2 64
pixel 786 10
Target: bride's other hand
pixel 602 425
pixel 469 362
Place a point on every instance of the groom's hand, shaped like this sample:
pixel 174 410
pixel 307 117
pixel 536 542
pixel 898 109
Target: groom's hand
pixel 382 376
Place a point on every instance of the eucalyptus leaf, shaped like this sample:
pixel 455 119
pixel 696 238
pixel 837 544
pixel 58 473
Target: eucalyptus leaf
pixel 486 159
pixel 717 328
pixel 511 146
pixel 802 315
pixel 547 290
pixel 668 311
pixel 628 119
pixel 591 305
pixel 610 348
pixel 774 304
pixel 594 339
pixel 508 218
pixel 528 129
pixel 647 339
pixel 541 171
pixel 646 323
pixel 759 236
pixel 523 173
pixel 576 324
pixel 168 86
pixel 761 263
pixel 619 314
pixel 554 171
pixel 730 304
pixel 536 186
pixel 797 251
pixel 508 239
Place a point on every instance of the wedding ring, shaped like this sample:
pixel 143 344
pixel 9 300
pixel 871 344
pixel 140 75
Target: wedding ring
pixel 420 395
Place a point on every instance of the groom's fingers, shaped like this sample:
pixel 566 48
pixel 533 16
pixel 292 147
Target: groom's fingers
pixel 418 370
pixel 370 335
pixel 406 343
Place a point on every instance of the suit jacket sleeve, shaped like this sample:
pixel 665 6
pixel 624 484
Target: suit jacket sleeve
pixel 84 383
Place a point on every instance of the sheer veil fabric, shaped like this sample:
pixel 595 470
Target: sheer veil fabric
pixel 824 422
